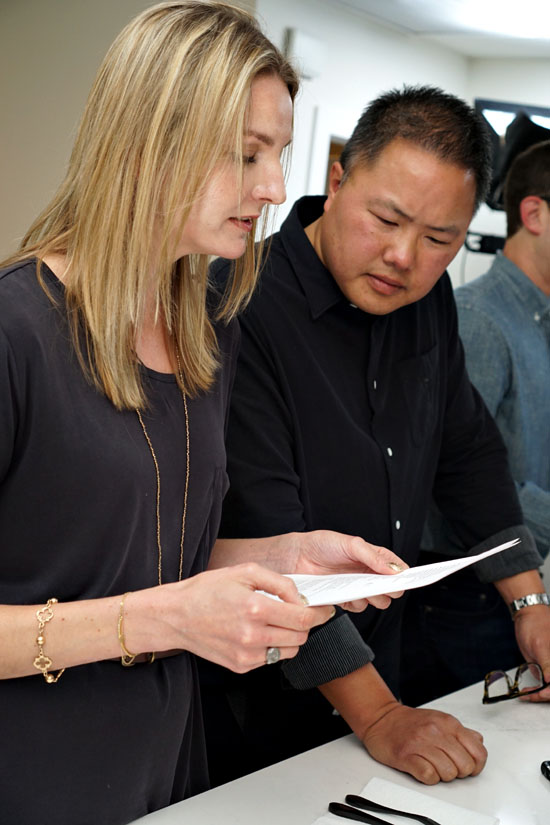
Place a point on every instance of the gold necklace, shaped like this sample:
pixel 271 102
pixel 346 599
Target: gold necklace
pixel 186 490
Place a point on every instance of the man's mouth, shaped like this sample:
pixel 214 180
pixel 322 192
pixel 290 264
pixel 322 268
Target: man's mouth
pixel 384 285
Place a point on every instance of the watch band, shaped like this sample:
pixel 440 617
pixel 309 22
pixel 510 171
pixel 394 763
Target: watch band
pixel 528 600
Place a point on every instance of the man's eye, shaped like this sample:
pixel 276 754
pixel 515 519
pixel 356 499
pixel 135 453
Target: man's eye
pixel 385 221
pixel 438 241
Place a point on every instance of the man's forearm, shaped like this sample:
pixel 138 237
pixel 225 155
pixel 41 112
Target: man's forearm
pixel 361 698
pixel 513 587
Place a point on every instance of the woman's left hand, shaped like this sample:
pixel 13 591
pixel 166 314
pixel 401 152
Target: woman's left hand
pixel 317 553
pixel 325 552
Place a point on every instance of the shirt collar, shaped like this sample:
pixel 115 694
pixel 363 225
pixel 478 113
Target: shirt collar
pixel 320 288
pixel 528 294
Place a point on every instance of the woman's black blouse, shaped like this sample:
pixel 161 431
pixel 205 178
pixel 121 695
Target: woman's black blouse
pixel 105 744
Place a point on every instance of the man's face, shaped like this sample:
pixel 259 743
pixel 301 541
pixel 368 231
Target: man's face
pixel 390 230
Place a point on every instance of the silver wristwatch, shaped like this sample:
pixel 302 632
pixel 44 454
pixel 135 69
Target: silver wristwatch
pixel 527 601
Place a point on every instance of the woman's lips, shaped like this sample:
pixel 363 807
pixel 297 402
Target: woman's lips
pixel 244 224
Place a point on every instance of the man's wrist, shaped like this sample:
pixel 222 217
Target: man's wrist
pixel 529 600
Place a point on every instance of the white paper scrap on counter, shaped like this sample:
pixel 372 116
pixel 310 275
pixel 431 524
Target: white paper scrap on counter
pixel 406 799
pixel 346 587
pixel 396 796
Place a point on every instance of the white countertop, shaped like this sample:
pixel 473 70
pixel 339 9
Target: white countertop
pixel 297 791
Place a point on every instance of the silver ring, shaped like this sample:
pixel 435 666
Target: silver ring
pixel 272 655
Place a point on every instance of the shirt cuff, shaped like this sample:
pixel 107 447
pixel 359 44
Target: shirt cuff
pixel 517 559
pixel 335 650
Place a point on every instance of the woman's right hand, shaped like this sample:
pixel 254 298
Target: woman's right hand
pixel 220 616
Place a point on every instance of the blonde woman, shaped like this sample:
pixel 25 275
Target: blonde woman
pixel 116 363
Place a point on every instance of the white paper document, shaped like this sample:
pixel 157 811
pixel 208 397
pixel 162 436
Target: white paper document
pixel 347 587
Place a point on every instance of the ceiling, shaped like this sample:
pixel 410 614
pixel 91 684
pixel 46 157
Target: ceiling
pixel 475 28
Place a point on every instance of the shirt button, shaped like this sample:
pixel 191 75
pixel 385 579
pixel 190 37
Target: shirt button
pixel 536 316
pixel 390 452
pixel 374 383
pixel 397 525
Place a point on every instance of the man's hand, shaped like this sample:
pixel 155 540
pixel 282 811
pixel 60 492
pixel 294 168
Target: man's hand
pixel 532 626
pixel 430 745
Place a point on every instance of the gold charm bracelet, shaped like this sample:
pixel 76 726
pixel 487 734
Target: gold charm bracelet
pixel 42 662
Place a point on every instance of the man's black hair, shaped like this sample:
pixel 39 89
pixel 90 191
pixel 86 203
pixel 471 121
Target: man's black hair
pixel 529 174
pixel 430 118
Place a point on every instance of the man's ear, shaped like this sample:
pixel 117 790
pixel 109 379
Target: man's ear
pixel 531 213
pixel 335 177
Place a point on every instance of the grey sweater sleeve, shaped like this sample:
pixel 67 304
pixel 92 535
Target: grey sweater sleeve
pixel 334 650
pixel 517 559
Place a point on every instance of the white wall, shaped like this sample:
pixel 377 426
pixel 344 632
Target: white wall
pixel 513 79
pixel 51 50
pixel 361 60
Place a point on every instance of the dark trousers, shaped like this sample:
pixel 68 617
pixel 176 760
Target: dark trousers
pixel 255 720
pixel 454 632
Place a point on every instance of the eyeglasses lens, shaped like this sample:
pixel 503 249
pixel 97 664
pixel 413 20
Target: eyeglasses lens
pixel 529 678
pixel 498 684
pixel 526 679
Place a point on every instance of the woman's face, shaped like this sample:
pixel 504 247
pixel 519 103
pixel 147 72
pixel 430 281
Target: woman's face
pixel 221 220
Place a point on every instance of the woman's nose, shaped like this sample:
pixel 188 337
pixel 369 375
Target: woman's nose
pixel 271 189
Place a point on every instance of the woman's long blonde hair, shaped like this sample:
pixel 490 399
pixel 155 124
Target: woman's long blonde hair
pixel 169 102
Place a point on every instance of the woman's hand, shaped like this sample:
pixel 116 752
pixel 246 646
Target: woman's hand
pixel 220 616
pixel 324 552
pixel 321 552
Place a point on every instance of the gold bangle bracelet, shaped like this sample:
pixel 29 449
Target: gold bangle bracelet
pixel 42 662
pixel 127 659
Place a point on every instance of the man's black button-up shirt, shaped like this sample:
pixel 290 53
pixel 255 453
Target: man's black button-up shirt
pixel 347 421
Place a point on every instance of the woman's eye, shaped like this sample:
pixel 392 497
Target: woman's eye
pixel 249 159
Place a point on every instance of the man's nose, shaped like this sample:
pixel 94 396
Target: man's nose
pixel 400 252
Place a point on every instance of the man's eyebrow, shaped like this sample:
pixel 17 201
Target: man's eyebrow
pixel 264 138
pixel 452 229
